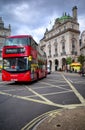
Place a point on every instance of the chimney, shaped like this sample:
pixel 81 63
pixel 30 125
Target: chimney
pixel 75 13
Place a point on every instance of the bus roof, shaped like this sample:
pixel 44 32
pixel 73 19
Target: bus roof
pixel 20 36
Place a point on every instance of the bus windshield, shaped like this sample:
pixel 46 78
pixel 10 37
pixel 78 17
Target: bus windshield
pixel 16 64
pixel 17 41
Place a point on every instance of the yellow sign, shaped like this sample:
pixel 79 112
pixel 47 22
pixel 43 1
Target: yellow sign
pixel 30 58
pixel 76 66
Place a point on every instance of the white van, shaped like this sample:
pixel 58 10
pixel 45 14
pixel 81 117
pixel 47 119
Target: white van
pixel 48 69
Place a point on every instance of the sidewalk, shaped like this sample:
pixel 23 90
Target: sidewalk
pixel 65 119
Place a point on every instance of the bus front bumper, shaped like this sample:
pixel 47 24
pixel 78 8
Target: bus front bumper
pixel 6 76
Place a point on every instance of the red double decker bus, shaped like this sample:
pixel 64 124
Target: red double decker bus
pixel 22 59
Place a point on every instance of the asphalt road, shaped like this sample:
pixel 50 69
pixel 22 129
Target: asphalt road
pixel 23 104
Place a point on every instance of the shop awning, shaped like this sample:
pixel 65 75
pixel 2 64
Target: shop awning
pixel 75 64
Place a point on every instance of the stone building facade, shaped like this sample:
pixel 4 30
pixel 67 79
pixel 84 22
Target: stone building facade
pixel 62 41
pixel 4 32
pixel 82 48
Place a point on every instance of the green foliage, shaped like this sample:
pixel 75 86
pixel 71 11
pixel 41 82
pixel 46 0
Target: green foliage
pixel 81 59
pixel 68 60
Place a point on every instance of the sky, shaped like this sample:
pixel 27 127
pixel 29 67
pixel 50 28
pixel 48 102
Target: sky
pixel 34 16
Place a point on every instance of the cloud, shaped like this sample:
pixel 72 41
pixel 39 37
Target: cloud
pixel 82 23
pixel 33 17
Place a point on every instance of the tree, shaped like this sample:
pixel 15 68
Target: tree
pixel 68 60
pixel 81 59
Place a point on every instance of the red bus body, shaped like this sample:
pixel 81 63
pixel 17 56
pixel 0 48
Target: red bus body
pixel 22 59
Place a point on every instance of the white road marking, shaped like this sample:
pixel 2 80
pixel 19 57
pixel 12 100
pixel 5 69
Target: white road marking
pixel 79 96
pixel 54 86
pixel 53 93
pixel 44 100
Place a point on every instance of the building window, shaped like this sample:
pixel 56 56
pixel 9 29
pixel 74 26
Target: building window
pixel 64 28
pixel 55 40
pixel 74 52
pixel 72 26
pixel 49 47
pixel 63 37
pixel 55 48
pixel 49 51
pixel 73 45
pixel 63 47
pixel 56 51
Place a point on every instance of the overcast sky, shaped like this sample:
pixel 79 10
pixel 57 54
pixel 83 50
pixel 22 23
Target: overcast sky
pixel 34 16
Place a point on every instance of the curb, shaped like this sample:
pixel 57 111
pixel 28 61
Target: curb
pixel 64 119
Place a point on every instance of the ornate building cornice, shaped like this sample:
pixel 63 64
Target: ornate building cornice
pixel 60 33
